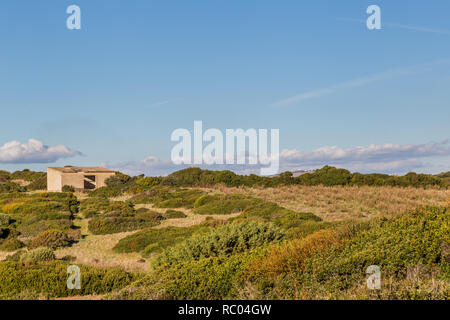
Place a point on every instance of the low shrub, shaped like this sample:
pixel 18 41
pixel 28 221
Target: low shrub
pixel 411 250
pixel 115 224
pixel 165 197
pixel 51 238
pixel 223 204
pixel 38 184
pixel 5 220
pixel 33 227
pixel 49 279
pixel 211 278
pixel 97 205
pixel 149 182
pixel 155 240
pixel 105 192
pixel 37 255
pixel 223 241
pixel 36 212
pixel 174 214
pixel 334 261
pixel 11 244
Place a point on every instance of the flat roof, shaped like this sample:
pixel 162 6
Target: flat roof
pixel 82 169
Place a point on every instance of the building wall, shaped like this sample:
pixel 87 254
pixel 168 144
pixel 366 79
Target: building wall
pixel 73 179
pixel 57 179
pixel 54 181
pixel 101 177
pixel 76 180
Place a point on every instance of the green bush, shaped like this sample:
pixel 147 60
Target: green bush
pixel 329 264
pixel 174 214
pixel 11 244
pixel 223 241
pixel 223 204
pixel 51 238
pixel 165 197
pixel 329 176
pixel 97 205
pixel 5 220
pixel 149 182
pixel 49 280
pixel 105 192
pixel 38 184
pixel 37 212
pixel 115 224
pixel 212 278
pixel 33 227
pixel 37 255
pixel 8 186
pixel 407 242
pixel 155 240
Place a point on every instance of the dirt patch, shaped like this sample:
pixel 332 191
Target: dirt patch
pixel 21 182
pixel 96 250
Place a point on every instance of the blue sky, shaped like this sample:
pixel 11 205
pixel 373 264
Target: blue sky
pixel 116 89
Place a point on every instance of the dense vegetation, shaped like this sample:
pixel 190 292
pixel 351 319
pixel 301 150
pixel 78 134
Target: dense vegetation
pixel 224 241
pixel 46 217
pixel 200 240
pixel 411 250
pixel 47 279
pixel 328 176
pixel 150 241
pixel 114 222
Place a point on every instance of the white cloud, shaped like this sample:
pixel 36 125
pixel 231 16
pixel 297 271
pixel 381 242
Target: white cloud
pixel 382 158
pixel 387 158
pixel 34 151
pixel 150 166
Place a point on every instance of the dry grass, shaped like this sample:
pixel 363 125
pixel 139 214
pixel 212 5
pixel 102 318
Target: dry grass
pixel 191 219
pixel 96 250
pixel 337 203
pixel 4 254
pixel 123 198
pixel 83 298
pixel 21 182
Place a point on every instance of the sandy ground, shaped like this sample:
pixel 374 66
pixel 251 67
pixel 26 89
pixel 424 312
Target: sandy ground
pixel 96 250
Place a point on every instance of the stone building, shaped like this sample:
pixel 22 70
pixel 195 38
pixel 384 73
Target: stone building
pixel 81 178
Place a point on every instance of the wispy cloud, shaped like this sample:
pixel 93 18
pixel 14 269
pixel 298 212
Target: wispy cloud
pixel 164 102
pixel 414 28
pixel 34 151
pixel 359 82
pixel 160 103
pixel 402 26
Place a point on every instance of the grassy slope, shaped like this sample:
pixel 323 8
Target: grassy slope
pixel 330 203
pixel 410 249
